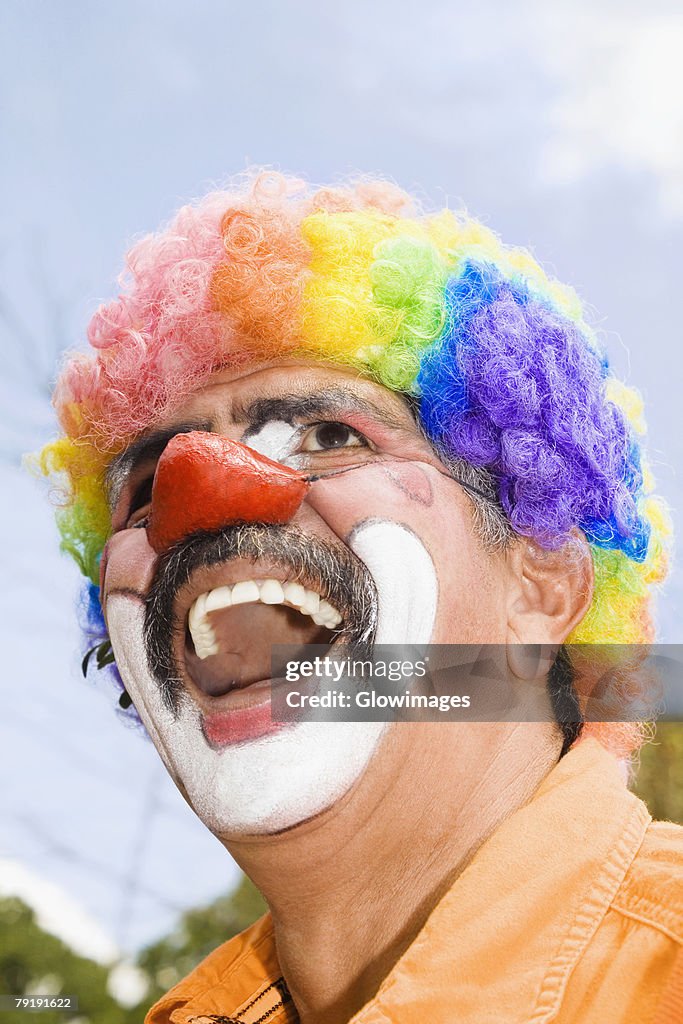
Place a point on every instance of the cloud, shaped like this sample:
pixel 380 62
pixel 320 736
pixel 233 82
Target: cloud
pixel 617 81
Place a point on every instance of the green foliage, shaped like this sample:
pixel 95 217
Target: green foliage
pixel 35 962
pixel 660 777
pixel 197 934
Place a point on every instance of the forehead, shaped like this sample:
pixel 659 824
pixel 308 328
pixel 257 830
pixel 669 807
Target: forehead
pixel 277 389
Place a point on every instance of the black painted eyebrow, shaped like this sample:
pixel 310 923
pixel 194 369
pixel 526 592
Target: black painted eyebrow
pixel 146 449
pixel 321 403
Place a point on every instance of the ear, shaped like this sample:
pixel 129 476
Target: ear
pixel 551 592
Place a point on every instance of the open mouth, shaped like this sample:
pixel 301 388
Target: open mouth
pixel 232 628
pixel 230 632
pixel 219 604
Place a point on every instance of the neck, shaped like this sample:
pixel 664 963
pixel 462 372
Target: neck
pixel 350 890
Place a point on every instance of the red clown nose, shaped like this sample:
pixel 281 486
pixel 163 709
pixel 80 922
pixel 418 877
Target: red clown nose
pixel 205 482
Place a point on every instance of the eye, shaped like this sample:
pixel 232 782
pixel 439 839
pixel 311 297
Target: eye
pixel 329 436
pixel 138 509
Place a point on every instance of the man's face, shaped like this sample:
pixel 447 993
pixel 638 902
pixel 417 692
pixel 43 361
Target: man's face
pixel 382 547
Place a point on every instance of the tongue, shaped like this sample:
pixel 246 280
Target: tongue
pixel 245 635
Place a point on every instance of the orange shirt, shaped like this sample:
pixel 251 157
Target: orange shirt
pixel 571 912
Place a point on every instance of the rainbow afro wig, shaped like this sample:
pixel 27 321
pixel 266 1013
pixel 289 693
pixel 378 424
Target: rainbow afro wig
pixel 505 371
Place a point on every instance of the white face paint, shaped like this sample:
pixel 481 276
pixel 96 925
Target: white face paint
pixel 275 439
pixel 261 786
pixel 405 578
pixel 288 776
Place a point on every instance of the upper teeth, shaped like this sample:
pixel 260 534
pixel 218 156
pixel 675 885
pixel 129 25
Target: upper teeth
pixel 251 592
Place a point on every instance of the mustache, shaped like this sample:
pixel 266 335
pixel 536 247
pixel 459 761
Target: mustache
pixel 338 573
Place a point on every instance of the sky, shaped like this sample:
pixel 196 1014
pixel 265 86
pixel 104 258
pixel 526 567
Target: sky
pixel 560 125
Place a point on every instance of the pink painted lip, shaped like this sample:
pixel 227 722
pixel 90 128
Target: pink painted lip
pixel 248 719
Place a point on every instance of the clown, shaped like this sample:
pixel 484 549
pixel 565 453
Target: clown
pixel 325 417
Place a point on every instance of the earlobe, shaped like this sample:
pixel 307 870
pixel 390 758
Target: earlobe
pixel 551 591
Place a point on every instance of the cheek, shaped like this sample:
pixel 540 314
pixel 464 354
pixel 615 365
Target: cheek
pixel 413 494
pixel 128 564
pixel 471 610
pixel 435 509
